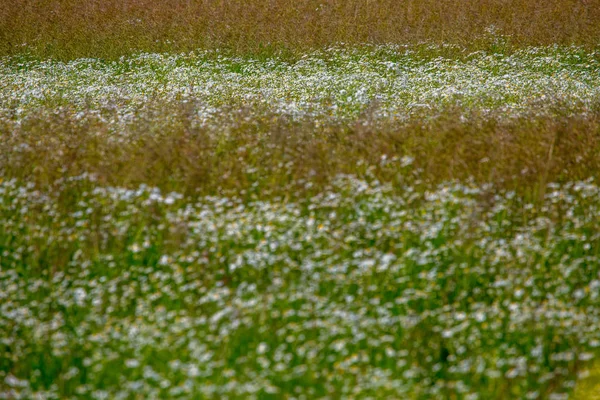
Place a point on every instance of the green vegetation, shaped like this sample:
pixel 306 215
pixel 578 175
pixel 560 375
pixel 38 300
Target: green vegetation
pixel 455 292
pixel 309 199
pixel 384 221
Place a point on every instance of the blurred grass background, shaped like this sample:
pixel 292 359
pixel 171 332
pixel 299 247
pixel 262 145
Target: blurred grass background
pixel 589 388
pixel 68 29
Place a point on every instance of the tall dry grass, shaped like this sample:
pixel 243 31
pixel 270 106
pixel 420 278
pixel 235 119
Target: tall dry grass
pixel 109 28
pixel 271 156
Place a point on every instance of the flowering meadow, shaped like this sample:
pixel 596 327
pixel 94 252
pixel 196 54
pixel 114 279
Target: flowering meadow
pixel 390 83
pixel 403 222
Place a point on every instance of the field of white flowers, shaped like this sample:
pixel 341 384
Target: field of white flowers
pixel 366 289
pixel 391 82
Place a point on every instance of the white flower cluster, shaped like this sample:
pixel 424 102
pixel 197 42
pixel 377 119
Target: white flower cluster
pixel 357 292
pixel 340 84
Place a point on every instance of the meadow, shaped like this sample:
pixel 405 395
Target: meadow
pixel 69 29
pixel 318 200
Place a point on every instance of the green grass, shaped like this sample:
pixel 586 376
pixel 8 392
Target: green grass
pixel 589 387
pixel 355 222
pixel 355 292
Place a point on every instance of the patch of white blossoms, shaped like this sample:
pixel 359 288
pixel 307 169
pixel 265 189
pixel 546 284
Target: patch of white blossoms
pixel 341 84
pixel 357 292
